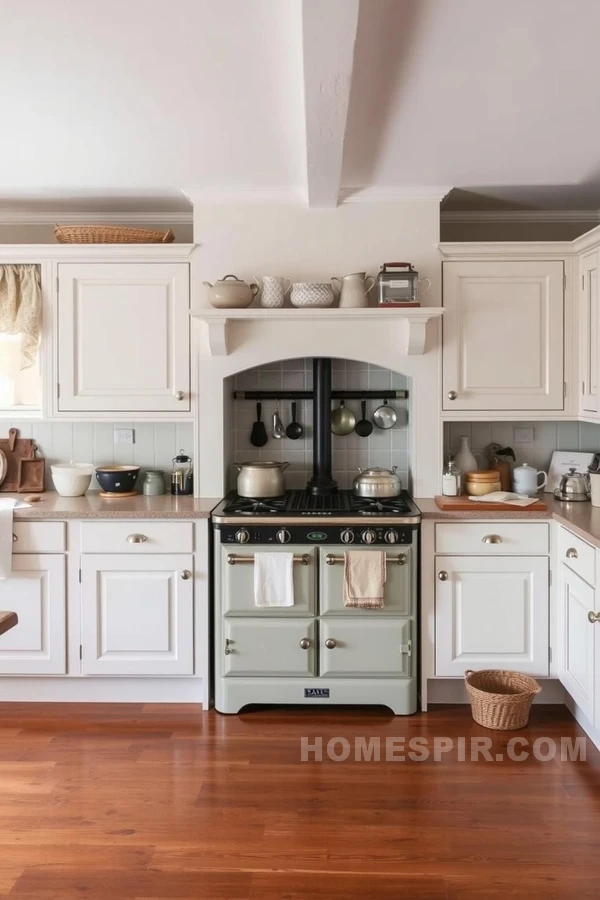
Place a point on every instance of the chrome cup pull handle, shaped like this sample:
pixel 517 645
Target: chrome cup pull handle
pixel 491 539
pixel 136 538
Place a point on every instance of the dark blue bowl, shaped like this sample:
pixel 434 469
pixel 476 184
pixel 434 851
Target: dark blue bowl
pixel 117 479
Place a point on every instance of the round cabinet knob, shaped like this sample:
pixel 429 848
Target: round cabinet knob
pixel 330 643
pixel 186 575
pixel 443 576
pixel 305 644
pixel 15 538
pixel 452 395
pixel 347 536
pixel 593 617
pixel 369 536
pixel 242 536
pixel 283 536
pixel 136 538
pixel 572 553
pixel 180 395
pixel 391 536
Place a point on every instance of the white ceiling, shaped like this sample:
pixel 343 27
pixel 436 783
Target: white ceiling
pixel 136 97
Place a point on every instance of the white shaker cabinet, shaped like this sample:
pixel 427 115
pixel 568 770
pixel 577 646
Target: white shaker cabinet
pixel 491 613
pixel 503 335
pixel 123 337
pixel 577 600
pixel 589 333
pixel 36 591
pixel 137 614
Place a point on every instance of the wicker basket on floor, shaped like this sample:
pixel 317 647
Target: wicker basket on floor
pixel 500 699
pixel 110 234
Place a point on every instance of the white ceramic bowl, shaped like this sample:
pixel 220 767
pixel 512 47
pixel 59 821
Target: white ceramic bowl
pixel 72 479
pixel 311 293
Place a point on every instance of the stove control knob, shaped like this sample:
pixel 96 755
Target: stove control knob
pixel 347 536
pixel 391 536
pixel 283 536
pixel 242 536
pixel 369 536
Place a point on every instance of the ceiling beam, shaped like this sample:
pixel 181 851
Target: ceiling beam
pixel 328 38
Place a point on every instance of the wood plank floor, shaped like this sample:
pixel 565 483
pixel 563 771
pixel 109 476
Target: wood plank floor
pixel 134 802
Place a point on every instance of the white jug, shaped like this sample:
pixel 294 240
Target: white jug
pixel 526 480
pixel 353 290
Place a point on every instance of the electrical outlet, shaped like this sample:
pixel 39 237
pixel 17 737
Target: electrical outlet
pixel 524 435
pixel 124 436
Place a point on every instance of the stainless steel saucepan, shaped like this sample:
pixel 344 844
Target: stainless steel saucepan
pixel 260 480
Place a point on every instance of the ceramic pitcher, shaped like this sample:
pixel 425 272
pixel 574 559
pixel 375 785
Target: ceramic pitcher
pixel 273 290
pixel 354 289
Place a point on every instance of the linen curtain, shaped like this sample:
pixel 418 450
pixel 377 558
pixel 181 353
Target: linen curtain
pixel 21 307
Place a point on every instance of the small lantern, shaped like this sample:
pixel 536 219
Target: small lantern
pixel 398 285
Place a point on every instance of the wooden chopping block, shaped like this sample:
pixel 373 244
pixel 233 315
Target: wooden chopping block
pixel 31 475
pixel 15 449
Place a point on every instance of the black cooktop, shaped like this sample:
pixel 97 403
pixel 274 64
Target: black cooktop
pixel 302 504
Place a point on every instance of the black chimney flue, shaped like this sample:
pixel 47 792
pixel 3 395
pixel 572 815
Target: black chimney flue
pixel 322 482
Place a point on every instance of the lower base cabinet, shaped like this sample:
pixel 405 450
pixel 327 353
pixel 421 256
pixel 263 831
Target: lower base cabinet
pixel 275 647
pixel 580 641
pixel 36 592
pixel 137 614
pixel 491 613
pixel 353 650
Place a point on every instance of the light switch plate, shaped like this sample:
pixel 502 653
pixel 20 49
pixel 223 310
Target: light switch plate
pixel 124 436
pixel 524 435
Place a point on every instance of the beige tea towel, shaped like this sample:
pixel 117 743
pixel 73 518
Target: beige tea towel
pixel 364 579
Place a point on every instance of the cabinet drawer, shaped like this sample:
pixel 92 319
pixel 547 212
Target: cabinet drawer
pixel 39 537
pixel 492 538
pixel 578 555
pixel 142 536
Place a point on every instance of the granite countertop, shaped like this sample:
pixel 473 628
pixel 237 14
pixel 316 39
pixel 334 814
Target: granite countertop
pixel 52 506
pixel 581 518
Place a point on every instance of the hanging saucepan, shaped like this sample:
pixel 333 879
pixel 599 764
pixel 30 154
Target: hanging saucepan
pixel 385 416
pixel 342 420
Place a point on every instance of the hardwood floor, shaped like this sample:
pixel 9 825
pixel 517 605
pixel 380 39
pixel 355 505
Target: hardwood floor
pixel 132 802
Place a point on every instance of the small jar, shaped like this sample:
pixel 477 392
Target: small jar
pixel 154 483
pixel 451 479
pixel 482 482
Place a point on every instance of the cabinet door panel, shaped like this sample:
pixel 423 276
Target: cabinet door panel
pixel 491 614
pixel 123 337
pixel 503 335
pixel 36 592
pixel 269 647
pixel 366 648
pixel 238 584
pixel 577 652
pixel 137 615
pixel 398 586
pixel 589 324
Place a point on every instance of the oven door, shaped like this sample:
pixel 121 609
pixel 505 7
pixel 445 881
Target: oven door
pixel 399 585
pixel 238 582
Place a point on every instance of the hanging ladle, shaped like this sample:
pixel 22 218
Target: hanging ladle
pixel 294 429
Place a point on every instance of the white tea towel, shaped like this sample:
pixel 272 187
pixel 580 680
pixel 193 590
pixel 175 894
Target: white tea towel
pixel 508 497
pixel 7 504
pixel 364 579
pixel 273 579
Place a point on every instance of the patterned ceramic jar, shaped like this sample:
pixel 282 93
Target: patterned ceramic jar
pixel 273 290
pixel 311 293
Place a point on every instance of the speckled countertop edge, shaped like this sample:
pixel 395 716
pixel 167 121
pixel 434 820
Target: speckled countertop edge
pixel 92 506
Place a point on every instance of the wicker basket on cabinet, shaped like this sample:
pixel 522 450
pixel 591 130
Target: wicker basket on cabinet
pixel 110 234
pixel 500 699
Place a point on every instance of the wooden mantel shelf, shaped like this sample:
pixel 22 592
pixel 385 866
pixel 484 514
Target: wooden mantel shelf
pixel 414 321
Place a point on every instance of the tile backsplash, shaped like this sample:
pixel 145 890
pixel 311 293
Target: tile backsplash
pixel 547 437
pixel 383 448
pixel 155 444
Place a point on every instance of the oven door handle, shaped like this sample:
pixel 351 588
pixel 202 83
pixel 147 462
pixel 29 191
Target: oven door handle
pixel 399 560
pixel 233 559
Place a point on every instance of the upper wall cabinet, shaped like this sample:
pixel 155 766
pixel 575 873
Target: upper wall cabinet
pixel 589 333
pixel 123 337
pixel 503 335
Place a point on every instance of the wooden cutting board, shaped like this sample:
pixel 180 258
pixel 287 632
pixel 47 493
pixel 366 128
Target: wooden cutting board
pixel 463 504
pixel 15 449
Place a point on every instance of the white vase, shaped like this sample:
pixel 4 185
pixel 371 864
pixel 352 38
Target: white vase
pixel 464 459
